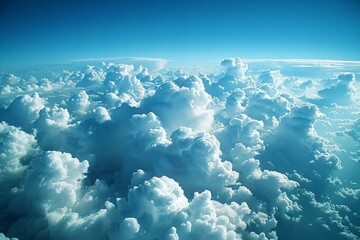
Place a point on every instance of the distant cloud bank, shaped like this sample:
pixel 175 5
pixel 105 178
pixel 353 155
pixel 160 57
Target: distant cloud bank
pixel 152 63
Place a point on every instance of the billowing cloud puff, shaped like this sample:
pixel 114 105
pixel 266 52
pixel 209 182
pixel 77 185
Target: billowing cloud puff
pixel 296 146
pixel 124 230
pixel 91 77
pixel 51 188
pixel 24 110
pixel 56 176
pixel 123 151
pixel 240 129
pixel 120 80
pixel 101 114
pixel 235 67
pixel 271 77
pixel 234 103
pixel 186 153
pixel 79 103
pixel 233 77
pixel 214 220
pixel 271 82
pixel 15 146
pixel 10 79
pixel 50 125
pixel 355 131
pixel 162 198
pixel 268 186
pixel 194 161
pixel 155 200
pixel 261 106
pixel 342 90
pixel 183 103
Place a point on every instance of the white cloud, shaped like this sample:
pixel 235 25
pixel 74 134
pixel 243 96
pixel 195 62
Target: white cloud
pixel 119 150
pixel 355 131
pixel 340 93
pixel 78 103
pixel 124 230
pixel 235 67
pixel 15 146
pixel 91 77
pixel 183 103
pixel 270 77
pixel 152 63
pixel 101 114
pixel 24 110
pixel 55 179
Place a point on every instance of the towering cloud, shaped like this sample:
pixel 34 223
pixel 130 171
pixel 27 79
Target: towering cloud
pixel 341 90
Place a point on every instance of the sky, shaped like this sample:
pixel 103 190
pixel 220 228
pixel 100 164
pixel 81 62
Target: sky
pixel 118 151
pixel 111 129
pixel 43 32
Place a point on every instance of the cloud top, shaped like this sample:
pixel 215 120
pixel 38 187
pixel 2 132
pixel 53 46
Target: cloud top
pixel 125 151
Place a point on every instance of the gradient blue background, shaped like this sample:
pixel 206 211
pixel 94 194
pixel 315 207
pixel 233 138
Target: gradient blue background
pixel 42 32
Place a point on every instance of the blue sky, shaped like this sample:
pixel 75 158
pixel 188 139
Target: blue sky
pixel 43 32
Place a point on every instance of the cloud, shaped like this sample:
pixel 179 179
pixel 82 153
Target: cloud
pixel 198 158
pixel 53 123
pixel 16 146
pixel 123 151
pixel 152 63
pixel 160 198
pixel 56 177
pixel 297 146
pixel 125 230
pixel 270 76
pixel 50 188
pixel 341 92
pixel 305 68
pixel 354 133
pixel 101 114
pixel 91 77
pixel 119 79
pixel 24 110
pixel 263 107
pixel 235 67
pixel 2 236
pixel 183 102
pixel 79 103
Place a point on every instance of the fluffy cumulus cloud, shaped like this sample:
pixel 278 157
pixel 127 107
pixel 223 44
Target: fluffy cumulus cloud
pixel 235 67
pixel 180 103
pixel 16 146
pixel 125 150
pixel 23 110
pixel 341 90
pixel 297 142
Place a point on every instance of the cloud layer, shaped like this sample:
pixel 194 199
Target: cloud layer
pixel 123 151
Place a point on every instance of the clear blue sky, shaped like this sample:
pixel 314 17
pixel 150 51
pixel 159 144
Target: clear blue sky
pixel 54 31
